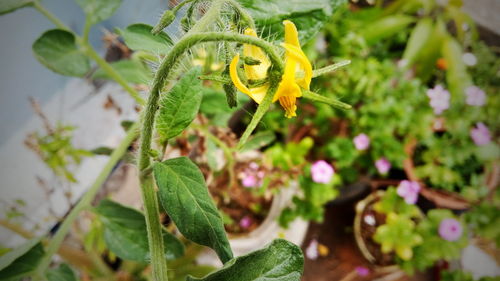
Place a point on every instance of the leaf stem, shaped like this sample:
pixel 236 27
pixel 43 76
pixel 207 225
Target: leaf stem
pixel 259 113
pixel 91 52
pixel 87 198
pixel 49 15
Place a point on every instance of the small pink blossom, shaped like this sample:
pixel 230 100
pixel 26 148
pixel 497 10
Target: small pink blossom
pixel 383 165
pixel 312 250
pixel 361 142
pixel 252 177
pixel 480 134
pixel 362 271
pixel 250 181
pixel 450 229
pixel 322 172
pixel 439 99
pixel 409 191
pixel 475 96
pixel 245 222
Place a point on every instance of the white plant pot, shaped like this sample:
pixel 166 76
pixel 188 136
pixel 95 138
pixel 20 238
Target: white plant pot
pixel 266 232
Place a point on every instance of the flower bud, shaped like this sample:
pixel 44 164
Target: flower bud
pixel 166 19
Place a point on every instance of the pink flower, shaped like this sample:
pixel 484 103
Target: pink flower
pixel 409 191
pixel 480 134
pixel 245 222
pixel 252 177
pixel 362 271
pixel 312 250
pixel 450 229
pixel 439 99
pixel 475 96
pixel 322 172
pixel 361 142
pixel 250 181
pixel 383 165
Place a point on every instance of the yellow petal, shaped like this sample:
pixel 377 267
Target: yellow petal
pixel 303 62
pixel 233 73
pixel 288 103
pixel 291 34
pixel 258 94
pixel 255 72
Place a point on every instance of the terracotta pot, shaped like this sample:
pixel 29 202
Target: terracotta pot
pixel 444 198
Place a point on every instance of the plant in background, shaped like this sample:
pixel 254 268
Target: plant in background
pixel 171 106
pixel 418 240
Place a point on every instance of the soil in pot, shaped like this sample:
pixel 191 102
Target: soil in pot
pixel 369 223
pixel 244 208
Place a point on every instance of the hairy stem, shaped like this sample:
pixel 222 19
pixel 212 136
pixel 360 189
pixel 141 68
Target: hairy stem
pixel 85 201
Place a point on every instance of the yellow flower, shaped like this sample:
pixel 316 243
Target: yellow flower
pixel 289 89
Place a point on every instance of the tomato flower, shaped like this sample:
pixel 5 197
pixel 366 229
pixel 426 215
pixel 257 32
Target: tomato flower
pixel 289 89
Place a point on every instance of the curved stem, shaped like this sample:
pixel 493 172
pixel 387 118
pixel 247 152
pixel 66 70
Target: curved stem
pixel 151 208
pixel 85 201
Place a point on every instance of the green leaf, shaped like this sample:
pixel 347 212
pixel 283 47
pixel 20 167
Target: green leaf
pixel 457 77
pixel 184 195
pixel 308 16
pixel 57 50
pixel 131 70
pixel 99 10
pixel 385 27
pixel 8 6
pixel 418 38
pixel 11 256
pixel 62 273
pixel 259 140
pixel 24 264
pixel 126 235
pixel 179 107
pixel 280 261
pixel 138 37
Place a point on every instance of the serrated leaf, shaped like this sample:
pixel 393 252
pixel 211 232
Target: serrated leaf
pixel 280 261
pixel 308 16
pixel 180 105
pixel 24 264
pixel 126 236
pixel 259 140
pixel 138 37
pixel 131 70
pixel 184 195
pixel 57 50
pixel 62 273
pixel 99 10
pixel 8 6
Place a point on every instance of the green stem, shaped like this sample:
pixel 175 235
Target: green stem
pixel 49 15
pixel 259 113
pixel 85 201
pixel 154 227
pixel 86 30
pixel 91 52
pixel 319 98
pixel 330 68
